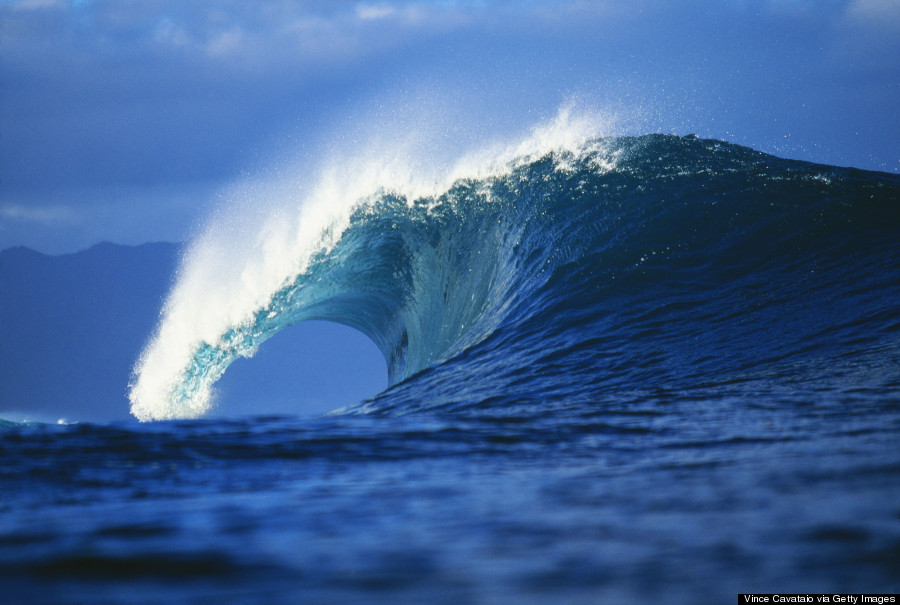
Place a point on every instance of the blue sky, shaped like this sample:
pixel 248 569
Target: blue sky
pixel 125 121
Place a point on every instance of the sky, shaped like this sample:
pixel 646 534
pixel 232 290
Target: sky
pixel 129 121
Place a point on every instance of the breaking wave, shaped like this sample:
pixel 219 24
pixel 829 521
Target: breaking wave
pixel 563 270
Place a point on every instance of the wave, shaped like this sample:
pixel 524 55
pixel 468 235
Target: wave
pixel 557 272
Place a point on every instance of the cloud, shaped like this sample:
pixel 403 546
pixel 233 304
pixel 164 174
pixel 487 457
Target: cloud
pixel 167 33
pixel 31 5
pixel 269 35
pixel 47 216
pixel 225 43
pixel 216 44
pixel 884 12
pixel 372 12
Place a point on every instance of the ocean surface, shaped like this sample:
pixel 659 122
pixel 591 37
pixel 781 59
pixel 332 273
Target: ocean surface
pixel 621 370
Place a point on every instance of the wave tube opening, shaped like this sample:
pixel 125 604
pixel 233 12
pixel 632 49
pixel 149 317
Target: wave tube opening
pixel 310 368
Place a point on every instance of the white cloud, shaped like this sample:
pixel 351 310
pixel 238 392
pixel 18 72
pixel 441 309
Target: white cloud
pixel 225 43
pixel 48 215
pixel 886 13
pixel 29 5
pixel 169 34
pixel 372 12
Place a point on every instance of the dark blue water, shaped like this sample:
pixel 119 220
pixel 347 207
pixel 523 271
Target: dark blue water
pixel 660 368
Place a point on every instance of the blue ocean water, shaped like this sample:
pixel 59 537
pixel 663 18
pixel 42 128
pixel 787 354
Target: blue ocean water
pixel 647 368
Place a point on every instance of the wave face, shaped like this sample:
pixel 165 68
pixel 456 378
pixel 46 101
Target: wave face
pixel 614 268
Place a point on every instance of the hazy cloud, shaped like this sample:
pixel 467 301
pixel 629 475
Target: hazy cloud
pixel 883 12
pixel 29 5
pixel 53 215
pixel 369 12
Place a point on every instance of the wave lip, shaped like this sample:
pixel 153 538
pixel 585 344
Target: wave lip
pixel 558 270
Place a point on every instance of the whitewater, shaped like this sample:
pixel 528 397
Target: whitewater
pixel 650 368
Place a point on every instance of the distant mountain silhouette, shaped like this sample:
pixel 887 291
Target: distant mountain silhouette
pixel 71 326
